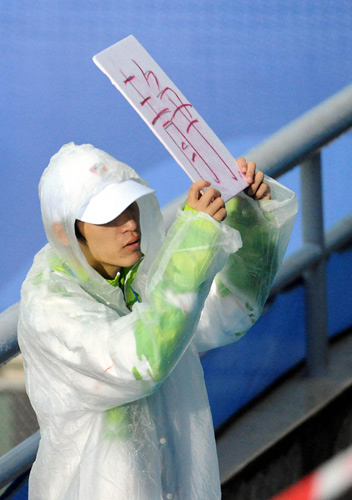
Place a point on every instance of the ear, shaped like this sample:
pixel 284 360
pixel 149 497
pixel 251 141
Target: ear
pixel 60 234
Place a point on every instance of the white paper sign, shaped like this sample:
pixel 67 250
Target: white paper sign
pixel 170 116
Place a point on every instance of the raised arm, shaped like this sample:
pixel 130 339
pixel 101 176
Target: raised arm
pixel 264 218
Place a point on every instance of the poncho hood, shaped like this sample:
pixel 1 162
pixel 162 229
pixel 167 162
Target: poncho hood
pixel 74 174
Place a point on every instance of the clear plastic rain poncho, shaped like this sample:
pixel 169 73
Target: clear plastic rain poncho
pixel 120 394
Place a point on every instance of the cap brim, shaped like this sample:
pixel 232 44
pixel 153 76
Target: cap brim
pixel 111 201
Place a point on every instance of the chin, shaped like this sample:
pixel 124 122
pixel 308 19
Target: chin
pixel 133 259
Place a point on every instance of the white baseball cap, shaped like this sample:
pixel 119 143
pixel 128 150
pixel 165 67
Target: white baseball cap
pixel 111 201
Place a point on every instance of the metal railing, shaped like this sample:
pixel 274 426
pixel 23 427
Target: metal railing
pixel 297 143
pixel 300 143
pixel 8 333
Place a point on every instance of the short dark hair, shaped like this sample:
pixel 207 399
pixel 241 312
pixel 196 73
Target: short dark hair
pixel 78 233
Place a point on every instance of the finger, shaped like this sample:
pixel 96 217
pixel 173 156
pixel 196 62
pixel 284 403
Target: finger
pixel 258 179
pixel 220 215
pixel 216 205
pixel 250 173
pixel 194 193
pixel 263 192
pixel 206 199
pixel 208 196
pixel 242 164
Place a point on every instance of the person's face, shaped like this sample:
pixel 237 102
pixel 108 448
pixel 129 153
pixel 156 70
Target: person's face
pixel 113 245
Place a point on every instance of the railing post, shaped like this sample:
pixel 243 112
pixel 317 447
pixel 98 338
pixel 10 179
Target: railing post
pixel 315 276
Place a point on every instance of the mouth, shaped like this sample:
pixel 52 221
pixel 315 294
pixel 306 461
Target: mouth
pixel 134 243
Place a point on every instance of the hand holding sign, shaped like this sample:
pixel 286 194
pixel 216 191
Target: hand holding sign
pixel 170 116
pixel 210 202
pixel 257 189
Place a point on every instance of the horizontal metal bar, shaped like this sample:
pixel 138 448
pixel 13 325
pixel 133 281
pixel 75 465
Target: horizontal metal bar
pixel 314 129
pixel 339 236
pixel 336 238
pixel 19 459
pixel 15 486
pixel 294 266
pixel 8 333
pixel 292 143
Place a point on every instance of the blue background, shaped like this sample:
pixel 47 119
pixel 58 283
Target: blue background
pixel 249 67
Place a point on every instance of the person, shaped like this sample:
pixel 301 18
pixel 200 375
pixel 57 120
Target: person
pixel 113 315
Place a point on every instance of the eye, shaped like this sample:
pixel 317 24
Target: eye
pixel 135 206
pixel 133 210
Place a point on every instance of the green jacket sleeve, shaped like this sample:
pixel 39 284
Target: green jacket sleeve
pixel 195 249
pixel 241 288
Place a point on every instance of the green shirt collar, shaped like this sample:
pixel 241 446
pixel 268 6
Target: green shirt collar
pixel 124 279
